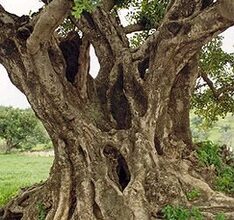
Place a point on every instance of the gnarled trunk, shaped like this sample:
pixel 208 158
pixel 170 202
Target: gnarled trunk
pixel 125 166
pixel 119 139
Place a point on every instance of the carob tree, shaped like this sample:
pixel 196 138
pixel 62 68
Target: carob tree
pixel 119 139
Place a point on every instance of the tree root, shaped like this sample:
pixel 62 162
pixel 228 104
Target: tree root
pixel 210 202
pixel 168 185
pixel 25 205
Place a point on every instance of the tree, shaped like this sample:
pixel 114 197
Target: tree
pixel 20 128
pixel 121 139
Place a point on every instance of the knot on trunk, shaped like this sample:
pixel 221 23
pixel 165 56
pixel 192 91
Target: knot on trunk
pixel 117 167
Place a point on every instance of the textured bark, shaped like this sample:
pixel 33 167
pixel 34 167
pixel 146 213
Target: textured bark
pixel 119 139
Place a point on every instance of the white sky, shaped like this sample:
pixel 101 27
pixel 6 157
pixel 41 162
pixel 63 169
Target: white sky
pixel 11 96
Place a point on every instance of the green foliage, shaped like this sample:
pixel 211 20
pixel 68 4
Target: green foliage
pixel 148 13
pixel 219 67
pixel 66 27
pixel 193 194
pixel 138 38
pixel 152 12
pixel 181 213
pixel 84 5
pixel 18 171
pixel 224 181
pixel 195 214
pixel 208 154
pixel 21 129
pixel 174 213
pixel 41 211
pixel 220 216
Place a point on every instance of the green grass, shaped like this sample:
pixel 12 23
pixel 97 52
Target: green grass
pixel 17 171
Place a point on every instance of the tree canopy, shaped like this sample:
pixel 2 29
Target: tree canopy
pixel 21 129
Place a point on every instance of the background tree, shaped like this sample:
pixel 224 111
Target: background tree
pixel 21 129
pixel 122 140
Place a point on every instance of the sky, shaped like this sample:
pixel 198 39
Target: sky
pixel 11 96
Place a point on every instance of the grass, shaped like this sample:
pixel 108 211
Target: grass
pixel 17 171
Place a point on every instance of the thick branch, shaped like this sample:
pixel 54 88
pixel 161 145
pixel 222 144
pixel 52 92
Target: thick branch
pixel 48 21
pixel 133 28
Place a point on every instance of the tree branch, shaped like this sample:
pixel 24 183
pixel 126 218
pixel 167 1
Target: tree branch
pixel 225 89
pixel 210 84
pixel 50 18
pixel 216 92
pixel 7 21
pixel 133 28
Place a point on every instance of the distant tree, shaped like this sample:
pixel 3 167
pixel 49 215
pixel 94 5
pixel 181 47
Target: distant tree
pixel 20 128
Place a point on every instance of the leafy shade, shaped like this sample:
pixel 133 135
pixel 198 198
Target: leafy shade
pixel 148 13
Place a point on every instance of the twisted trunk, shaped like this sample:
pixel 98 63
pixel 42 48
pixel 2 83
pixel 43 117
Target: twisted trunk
pixel 120 139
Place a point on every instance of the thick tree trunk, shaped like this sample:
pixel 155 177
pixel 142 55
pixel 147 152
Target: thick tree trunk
pixel 118 173
pixel 120 139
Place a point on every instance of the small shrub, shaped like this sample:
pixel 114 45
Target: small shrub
pixel 224 181
pixel 220 216
pixel 171 212
pixel 181 213
pixel 208 154
pixel 195 214
pixel 193 194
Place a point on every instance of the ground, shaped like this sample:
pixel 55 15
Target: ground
pixel 17 171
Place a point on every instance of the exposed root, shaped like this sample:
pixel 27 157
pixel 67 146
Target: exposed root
pixel 170 184
pixel 25 205
pixel 210 202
